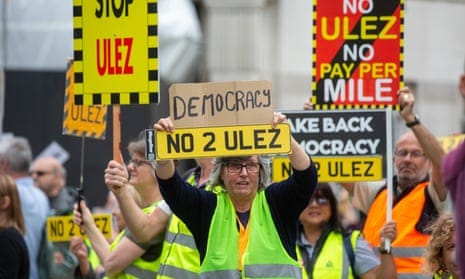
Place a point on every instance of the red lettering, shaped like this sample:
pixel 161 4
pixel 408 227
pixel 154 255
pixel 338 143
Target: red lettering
pixel 114 56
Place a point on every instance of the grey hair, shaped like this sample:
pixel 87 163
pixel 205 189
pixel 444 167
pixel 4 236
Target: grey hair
pixel 17 152
pixel 264 174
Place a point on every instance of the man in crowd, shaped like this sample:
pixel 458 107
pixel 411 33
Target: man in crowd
pixel 15 160
pixel 418 194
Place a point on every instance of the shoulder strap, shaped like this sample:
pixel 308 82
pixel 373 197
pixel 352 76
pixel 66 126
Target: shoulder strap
pixel 350 251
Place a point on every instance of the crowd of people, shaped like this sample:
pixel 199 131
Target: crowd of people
pixel 226 219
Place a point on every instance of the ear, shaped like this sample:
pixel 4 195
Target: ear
pixel 4 202
pixel 462 85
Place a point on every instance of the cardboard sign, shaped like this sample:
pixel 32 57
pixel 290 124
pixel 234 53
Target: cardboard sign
pixel 62 228
pixel 223 141
pixel 357 53
pixel 345 145
pixel 87 121
pixel 216 104
pixel 116 52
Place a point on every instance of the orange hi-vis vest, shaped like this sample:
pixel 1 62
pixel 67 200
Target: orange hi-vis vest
pixel 410 244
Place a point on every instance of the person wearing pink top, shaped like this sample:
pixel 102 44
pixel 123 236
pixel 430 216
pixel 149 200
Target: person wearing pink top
pixel 453 174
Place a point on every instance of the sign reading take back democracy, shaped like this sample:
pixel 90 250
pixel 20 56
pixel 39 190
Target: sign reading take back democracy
pixel 357 53
pixel 345 145
pixel 221 119
pixel 115 52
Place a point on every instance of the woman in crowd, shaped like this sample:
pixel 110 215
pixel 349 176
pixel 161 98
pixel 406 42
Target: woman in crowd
pixel 125 257
pixel 14 259
pixel 326 250
pixel 440 252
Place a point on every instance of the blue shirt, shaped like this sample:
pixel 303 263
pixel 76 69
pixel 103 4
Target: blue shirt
pixel 34 204
pixel 365 258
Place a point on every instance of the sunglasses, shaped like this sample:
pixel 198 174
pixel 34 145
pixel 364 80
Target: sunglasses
pixel 319 201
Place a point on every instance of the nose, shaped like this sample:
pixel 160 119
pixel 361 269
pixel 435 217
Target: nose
pixel 244 170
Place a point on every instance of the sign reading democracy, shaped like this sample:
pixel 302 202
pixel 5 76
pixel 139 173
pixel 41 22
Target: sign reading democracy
pixel 86 121
pixel 357 53
pixel 344 145
pixel 116 52
pixel 220 119
pixel 221 103
pixel 62 228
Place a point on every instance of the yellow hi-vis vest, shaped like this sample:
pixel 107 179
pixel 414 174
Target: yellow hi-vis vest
pixel 180 257
pixel 330 262
pixel 92 255
pixel 410 244
pixel 264 257
pixel 139 268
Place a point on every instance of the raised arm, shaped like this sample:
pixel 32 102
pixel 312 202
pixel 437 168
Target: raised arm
pixel 427 140
pixel 114 260
pixel 165 169
pixel 299 159
pixel 143 226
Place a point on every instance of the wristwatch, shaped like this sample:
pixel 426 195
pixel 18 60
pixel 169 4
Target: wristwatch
pixel 384 251
pixel 416 121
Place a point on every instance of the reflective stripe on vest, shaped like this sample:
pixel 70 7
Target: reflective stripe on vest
pixel 170 271
pixel 404 252
pixel 406 212
pixel 333 251
pixel 181 239
pixel 272 270
pixel 257 271
pixel 139 268
pixel 138 272
pixel 265 255
pixel 413 276
pixel 180 257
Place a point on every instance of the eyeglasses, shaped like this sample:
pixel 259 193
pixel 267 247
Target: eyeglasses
pixel 234 167
pixel 139 163
pixel 402 153
pixel 319 201
pixel 39 173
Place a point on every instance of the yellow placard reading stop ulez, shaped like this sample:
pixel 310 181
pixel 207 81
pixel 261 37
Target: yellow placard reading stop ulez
pixel 336 169
pixel 62 228
pixel 223 141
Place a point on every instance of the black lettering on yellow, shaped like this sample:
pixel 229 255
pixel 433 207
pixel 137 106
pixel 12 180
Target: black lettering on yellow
pixel 209 146
pixel 105 6
pixel 98 109
pixel 105 226
pixel 286 169
pixel 180 143
pixel 276 133
pixel 369 165
pixel 57 228
pixel 258 139
pixel 242 144
pixel 71 227
pixel 227 138
pixel 337 169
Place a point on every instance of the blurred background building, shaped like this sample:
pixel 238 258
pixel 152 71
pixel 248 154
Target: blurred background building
pixel 208 40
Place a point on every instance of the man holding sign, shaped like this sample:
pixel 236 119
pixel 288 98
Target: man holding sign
pixel 418 194
pixel 244 229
